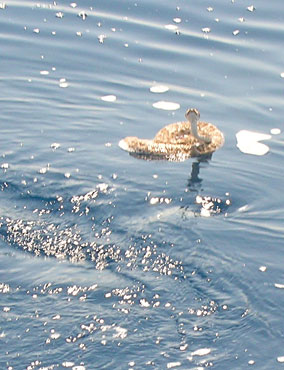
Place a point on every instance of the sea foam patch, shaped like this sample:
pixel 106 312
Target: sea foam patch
pixel 109 98
pixel 248 142
pixel 166 105
pixel 159 89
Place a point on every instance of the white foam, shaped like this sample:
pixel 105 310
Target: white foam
pixel 109 98
pixel 159 89
pixel 248 142
pixel 166 105
pixel 201 352
pixel 275 131
pixel 171 27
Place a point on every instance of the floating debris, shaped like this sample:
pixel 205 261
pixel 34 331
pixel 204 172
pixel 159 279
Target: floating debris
pixel 280 359
pixel 166 105
pixel 71 150
pixel 73 5
pixel 210 9
pixel 78 33
pixel 236 32
pixel 109 98
pixel 36 30
pixel 44 73
pixel 159 89
pixel 241 19
pixel 248 142
pixel 282 74
pixel 2 5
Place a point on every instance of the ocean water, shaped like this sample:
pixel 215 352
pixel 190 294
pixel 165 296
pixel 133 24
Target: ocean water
pixel 111 262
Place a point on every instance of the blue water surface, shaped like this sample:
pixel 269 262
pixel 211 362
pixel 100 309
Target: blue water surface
pixel 111 262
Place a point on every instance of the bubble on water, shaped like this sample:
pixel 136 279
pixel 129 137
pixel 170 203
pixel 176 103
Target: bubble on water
pixel 248 142
pixel 109 98
pixel 67 175
pixel 251 362
pixel 210 9
pixel 177 20
pixel 282 74
pixel 71 150
pixel 73 5
pixel 159 89
pixel 78 33
pixel 44 73
pixel 36 30
pixel 241 19
pixel 171 27
pixel 251 8
pixel 166 105
pixel 275 131
pixel 79 367
pixel 206 30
